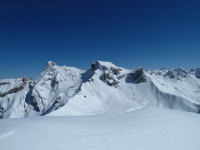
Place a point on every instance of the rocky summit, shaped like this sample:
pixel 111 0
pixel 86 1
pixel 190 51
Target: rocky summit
pixel 103 88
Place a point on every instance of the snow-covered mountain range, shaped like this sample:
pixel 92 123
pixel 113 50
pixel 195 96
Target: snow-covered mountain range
pixel 104 88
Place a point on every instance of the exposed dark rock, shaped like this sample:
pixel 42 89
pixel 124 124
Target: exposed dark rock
pixel 2 110
pixel 14 90
pixel 182 73
pixel 170 74
pixel 197 73
pixel 34 104
pixel 50 64
pixel 93 65
pixel 178 73
pixel 110 80
pixel 4 83
pixel 25 79
pixel 102 65
pixel 31 99
pixel 111 76
pixel 192 70
pixel 96 65
pixel 58 99
pixel 55 82
pixel 138 76
pixel 120 77
pixel 115 71
pixel 163 69
pixel 48 79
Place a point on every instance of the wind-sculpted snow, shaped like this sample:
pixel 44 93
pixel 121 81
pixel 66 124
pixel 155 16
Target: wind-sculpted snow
pixel 104 88
pixel 146 129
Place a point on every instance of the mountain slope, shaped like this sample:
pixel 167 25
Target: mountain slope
pixel 104 88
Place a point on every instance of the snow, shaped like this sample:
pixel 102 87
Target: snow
pixel 8 84
pixel 145 129
pixel 13 103
pixel 107 64
pixel 101 108
pixel 104 88
pixel 96 97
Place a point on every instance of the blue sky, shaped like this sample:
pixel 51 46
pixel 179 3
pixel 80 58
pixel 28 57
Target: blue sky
pixel 149 34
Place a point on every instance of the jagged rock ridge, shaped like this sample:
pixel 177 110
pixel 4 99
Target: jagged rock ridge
pixel 104 88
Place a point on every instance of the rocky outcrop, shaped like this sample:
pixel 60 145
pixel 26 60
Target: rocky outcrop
pixel 170 74
pixel 138 76
pixel 97 65
pixel 181 73
pixel 110 80
pixel 25 79
pixel 4 83
pixel 102 65
pixel 14 90
pixel 112 76
pixel 178 73
pixel 197 73
pixel 111 73
pixel 34 103
pixel 50 64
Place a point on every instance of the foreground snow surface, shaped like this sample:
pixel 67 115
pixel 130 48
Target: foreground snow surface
pixel 147 129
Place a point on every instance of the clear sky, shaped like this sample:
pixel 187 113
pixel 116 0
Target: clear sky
pixel 136 33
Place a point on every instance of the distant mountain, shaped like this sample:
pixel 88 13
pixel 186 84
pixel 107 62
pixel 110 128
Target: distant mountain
pixel 104 88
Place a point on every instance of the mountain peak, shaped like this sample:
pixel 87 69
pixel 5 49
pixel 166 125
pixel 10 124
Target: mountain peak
pixel 104 88
pixel 102 65
pixel 50 64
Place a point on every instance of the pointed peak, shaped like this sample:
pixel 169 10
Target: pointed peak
pixel 102 65
pixel 50 64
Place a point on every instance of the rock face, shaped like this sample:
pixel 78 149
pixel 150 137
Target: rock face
pixel 170 74
pixel 177 73
pixel 111 73
pixel 112 76
pixel 12 97
pixel 181 73
pixel 102 65
pixel 197 73
pixel 95 65
pixel 14 90
pixel 138 76
pixel 50 64
pixel 4 83
pixel 25 79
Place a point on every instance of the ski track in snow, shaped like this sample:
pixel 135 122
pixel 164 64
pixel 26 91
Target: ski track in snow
pixel 4 134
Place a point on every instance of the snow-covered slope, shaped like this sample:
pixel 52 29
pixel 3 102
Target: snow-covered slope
pixel 104 88
pixel 146 129
pixel 13 97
